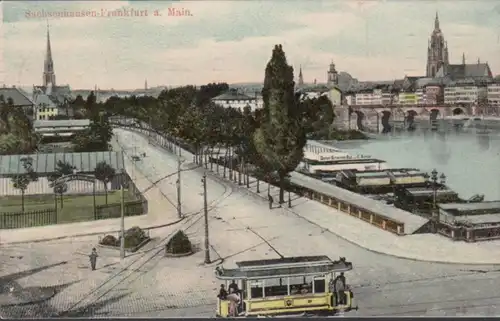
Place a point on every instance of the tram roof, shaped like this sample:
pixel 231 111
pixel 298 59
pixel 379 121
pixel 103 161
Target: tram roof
pixel 285 267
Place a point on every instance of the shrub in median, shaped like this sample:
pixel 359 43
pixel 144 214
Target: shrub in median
pixel 179 244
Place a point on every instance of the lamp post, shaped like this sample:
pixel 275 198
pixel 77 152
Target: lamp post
pixel 205 207
pixel 122 210
pixel 435 186
pixel 178 185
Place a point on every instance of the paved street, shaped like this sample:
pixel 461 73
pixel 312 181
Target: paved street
pixel 239 221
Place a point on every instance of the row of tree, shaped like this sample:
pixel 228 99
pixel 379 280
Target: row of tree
pixel 271 138
pixel 103 172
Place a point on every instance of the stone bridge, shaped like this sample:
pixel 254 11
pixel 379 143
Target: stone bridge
pixel 382 115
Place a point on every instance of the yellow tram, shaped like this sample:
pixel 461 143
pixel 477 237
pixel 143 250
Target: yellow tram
pixel 287 286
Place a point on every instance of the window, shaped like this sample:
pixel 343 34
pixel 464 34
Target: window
pixel 276 287
pixel 319 285
pixel 256 289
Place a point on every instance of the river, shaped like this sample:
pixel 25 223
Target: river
pixel 470 161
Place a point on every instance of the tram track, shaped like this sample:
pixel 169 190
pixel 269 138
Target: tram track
pixel 120 277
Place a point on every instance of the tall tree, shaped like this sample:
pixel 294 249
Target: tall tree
pixel 21 181
pixel 105 173
pixel 280 139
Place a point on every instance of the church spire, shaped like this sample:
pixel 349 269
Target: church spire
pixel 49 76
pixel 463 58
pixel 436 22
pixel 301 78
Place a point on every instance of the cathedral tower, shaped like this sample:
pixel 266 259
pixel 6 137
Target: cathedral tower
pixel 437 51
pixel 49 77
pixel 332 76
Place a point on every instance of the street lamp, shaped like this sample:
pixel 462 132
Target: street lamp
pixel 122 210
pixel 435 186
pixel 205 207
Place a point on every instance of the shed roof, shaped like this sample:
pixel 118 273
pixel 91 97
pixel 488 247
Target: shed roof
pixel 46 163
pixel 411 222
pixel 462 207
pixel 61 123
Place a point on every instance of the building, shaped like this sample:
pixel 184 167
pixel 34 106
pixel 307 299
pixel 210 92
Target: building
pixel 493 95
pixel 478 71
pixel 234 99
pixel 49 99
pixel 433 94
pixel 465 93
pixel 332 76
pixel 61 128
pixel 408 98
pixel 437 51
pixel 20 99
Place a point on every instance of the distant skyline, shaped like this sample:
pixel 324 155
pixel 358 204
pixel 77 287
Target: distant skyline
pixel 231 41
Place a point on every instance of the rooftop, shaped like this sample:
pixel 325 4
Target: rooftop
pixel 285 267
pixel 18 96
pixel 61 123
pixel 233 95
pixel 418 191
pixel 411 222
pixel 463 207
pixel 46 163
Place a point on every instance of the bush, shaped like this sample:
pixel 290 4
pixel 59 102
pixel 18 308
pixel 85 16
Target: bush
pixel 109 240
pixel 133 237
pixel 179 244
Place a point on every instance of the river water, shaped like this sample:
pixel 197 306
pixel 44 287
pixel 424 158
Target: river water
pixel 470 160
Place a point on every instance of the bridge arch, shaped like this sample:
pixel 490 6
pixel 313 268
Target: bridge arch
pixel 458 111
pixel 410 119
pixel 385 120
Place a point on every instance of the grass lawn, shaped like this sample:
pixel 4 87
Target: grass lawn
pixel 75 208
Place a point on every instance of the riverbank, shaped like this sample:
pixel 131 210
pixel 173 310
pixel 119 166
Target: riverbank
pixel 339 135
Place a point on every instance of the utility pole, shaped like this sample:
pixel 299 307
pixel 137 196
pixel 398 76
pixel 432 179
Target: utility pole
pixel 205 206
pixel 178 183
pixel 122 208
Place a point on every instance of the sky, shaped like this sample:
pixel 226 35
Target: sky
pixel 231 41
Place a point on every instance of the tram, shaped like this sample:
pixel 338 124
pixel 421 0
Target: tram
pixel 299 286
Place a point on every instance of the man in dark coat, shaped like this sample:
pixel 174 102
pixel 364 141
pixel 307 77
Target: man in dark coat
pixel 93 258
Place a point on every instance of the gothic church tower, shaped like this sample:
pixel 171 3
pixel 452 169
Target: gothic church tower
pixel 437 51
pixel 49 77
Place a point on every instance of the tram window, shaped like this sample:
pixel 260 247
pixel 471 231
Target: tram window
pixel 276 287
pixel 300 285
pixel 319 285
pixel 256 289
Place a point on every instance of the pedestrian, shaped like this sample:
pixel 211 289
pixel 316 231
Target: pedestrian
pixel 270 201
pixel 93 258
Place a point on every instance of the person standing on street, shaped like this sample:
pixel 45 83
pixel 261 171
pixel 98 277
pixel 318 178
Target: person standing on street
pixel 271 201
pixel 93 258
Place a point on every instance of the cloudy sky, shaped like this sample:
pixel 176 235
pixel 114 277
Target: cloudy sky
pixel 231 41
